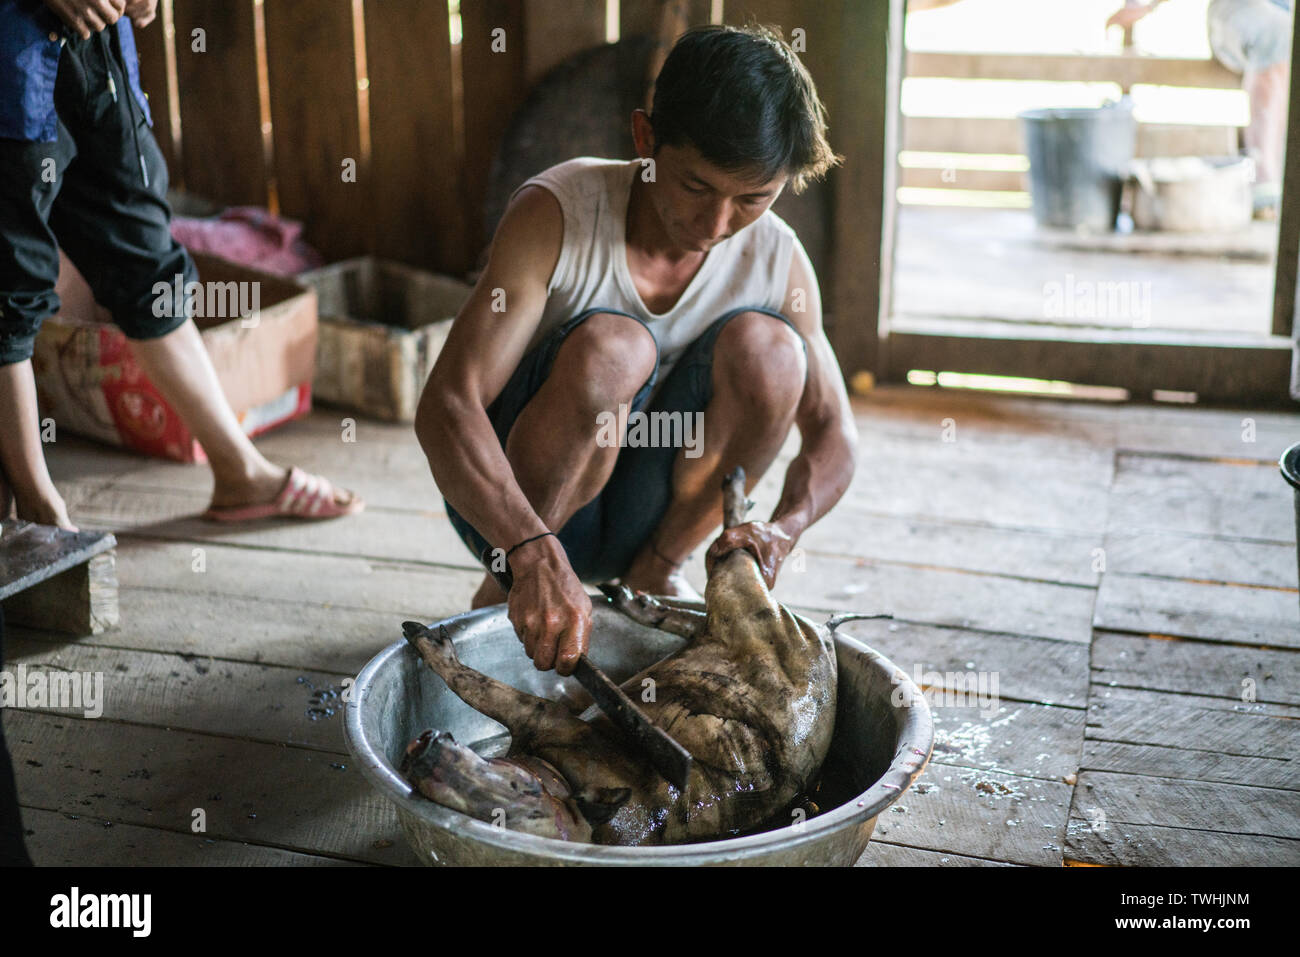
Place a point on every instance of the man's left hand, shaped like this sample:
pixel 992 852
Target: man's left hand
pixel 141 12
pixel 767 542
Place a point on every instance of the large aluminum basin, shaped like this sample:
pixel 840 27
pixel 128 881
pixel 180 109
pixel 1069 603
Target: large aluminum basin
pixel 878 750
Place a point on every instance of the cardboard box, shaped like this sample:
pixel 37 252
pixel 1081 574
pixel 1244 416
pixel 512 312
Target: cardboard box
pixel 87 379
pixel 382 325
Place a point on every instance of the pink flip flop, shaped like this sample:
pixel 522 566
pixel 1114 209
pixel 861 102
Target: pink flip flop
pixel 303 496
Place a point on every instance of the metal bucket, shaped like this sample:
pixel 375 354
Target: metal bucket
pixel 1289 463
pixel 1078 159
pixel 878 748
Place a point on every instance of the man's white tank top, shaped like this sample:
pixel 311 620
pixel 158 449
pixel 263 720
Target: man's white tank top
pixel 750 268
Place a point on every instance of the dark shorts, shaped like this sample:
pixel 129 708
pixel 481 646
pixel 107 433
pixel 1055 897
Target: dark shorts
pixel 603 536
pixel 87 193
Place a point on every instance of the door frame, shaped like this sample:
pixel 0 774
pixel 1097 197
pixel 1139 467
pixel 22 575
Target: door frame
pixel 1223 368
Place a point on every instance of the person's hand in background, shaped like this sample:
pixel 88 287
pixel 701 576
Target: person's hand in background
pixel 142 12
pixel 1128 16
pixel 88 17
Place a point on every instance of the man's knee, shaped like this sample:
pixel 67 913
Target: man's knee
pixel 762 361
pixel 606 360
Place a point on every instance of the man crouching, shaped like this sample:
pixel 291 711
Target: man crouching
pixel 628 300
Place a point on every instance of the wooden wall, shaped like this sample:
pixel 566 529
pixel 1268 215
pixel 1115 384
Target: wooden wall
pixel 263 101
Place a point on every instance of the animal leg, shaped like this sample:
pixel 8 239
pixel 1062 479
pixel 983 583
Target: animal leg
pixel 650 611
pixel 527 716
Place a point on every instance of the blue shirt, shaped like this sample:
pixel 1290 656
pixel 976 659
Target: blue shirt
pixel 30 47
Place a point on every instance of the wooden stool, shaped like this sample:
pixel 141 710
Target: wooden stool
pixel 57 580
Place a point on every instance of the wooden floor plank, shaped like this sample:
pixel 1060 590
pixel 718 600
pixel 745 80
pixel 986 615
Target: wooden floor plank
pixel 1222 499
pixel 294 635
pixel 56 839
pixel 259 793
pixel 255 702
pixel 881 854
pixel 1177 736
pixel 1062 557
pixel 981 814
pixel 1196 667
pixel 376 532
pixel 1199 805
pixel 1237 614
pixel 941 597
pixel 1029 669
pixel 1028 740
pixel 1093 841
pixel 1201 557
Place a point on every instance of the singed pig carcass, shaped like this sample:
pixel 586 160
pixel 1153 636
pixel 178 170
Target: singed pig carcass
pixel 751 696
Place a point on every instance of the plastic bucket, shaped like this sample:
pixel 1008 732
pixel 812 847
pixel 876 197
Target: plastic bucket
pixel 1289 463
pixel 1078 161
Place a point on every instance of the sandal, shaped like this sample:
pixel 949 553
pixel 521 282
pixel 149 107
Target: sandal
pixel 303 496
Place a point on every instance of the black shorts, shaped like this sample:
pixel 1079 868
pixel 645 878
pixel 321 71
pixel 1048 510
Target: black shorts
pixel 87 192
pixel 603 536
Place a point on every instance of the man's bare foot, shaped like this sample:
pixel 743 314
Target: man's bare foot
pixel 48 509
pixel 655 576
pixel 489 593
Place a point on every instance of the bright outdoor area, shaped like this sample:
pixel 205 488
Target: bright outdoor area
pixel 1184 256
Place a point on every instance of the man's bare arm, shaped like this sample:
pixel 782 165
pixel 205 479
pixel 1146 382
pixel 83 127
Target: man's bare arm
pixel 548 605
pixel 819 475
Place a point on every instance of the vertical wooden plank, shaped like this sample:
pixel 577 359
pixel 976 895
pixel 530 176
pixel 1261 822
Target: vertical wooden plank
pixel 316 121
pixel 645 16
pixel 216 62
pixel 153 45
pixel 492 65
pixel 415 198
pixel 554 30
pixel 1288 239
pixel 871 64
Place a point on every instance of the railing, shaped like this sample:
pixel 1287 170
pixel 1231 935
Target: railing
pixel 967 137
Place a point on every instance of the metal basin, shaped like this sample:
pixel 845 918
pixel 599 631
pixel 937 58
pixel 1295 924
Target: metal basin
pixel 877 751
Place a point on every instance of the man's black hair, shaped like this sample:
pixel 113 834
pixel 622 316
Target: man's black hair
pixel 741 97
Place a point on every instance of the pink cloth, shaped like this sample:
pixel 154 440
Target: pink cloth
pixel 251 236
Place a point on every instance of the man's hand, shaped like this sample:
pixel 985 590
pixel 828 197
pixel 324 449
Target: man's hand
pixel 87 16
pixel 766 541
pixel 549 608
pixel 141 12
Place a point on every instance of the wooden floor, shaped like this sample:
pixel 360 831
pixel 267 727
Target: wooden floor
pixel 1128 573
pixel 1193 282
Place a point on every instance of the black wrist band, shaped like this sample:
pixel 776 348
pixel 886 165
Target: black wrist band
pixel 510 551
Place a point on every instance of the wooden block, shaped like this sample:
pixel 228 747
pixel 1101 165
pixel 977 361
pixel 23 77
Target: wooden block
pixel 80 601
pixel 58 580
